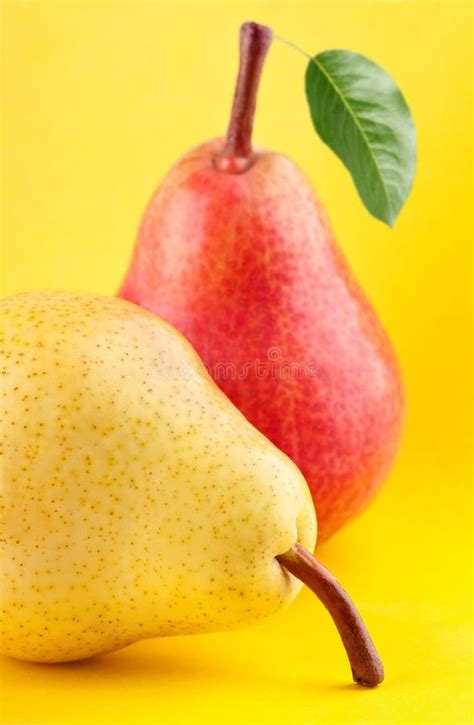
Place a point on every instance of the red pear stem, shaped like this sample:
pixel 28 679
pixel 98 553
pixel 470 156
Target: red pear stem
pixel 366 665
pixel 236 156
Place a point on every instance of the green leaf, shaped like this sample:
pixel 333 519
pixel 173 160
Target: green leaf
pixel 359 112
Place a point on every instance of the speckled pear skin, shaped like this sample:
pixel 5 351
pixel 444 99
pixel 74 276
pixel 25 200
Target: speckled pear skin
pixel 245 265
pixel 136 500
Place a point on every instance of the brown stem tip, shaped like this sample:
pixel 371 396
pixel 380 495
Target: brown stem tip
pixel 366 665
pixel 236 155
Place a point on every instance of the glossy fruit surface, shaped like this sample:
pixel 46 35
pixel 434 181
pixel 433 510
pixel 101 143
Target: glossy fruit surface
pixel 245 265
pixel 136 500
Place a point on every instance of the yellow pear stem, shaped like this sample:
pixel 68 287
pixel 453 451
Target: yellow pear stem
pixel 366 665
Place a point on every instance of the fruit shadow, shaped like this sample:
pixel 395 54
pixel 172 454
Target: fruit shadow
pixel 131 664
pixel 138 667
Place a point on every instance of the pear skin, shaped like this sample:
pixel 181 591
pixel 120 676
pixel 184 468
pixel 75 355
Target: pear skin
pixel 137 501
pixel 235 250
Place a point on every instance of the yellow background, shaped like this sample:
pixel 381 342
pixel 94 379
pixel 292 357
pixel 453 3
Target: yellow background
pixel 100 98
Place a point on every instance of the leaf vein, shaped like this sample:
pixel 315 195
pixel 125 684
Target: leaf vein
pixel 352 113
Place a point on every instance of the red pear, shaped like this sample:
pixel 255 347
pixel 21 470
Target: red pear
pixel 235 250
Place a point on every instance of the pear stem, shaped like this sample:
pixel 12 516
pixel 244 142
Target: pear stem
pixel 237 154
pixel 366 665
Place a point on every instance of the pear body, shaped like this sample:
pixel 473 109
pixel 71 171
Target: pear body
pixel 246 267
pixel 137 501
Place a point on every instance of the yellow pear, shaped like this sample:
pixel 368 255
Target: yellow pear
pixel 136 500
